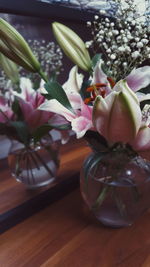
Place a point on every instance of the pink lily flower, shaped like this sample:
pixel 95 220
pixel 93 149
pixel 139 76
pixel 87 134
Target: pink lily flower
pixel 138 78
pixel 118 116
pixel 29 101
pixel 100 77
pixel 141 142
pixel 6 112
pixel 81 117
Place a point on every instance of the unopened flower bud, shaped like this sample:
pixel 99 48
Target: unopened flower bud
pixel 72 45
pixel 14 46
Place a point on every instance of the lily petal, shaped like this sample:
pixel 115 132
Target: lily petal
pixel 142 97
pixel 100 77
pixel 101 111
pixel 127 114
pixel 55 107
pixel 139 78
pixel 142 140
pixel 81 125
pixel 74 82
pixel 118 116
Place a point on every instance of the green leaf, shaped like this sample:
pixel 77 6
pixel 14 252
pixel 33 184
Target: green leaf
pixel 95 59
pixel 41 131
pixel 22 130
pixel 55 91
pixel 47 96
pixel 17 110
pixel 61 127
pixel 44 129
pixel 104 69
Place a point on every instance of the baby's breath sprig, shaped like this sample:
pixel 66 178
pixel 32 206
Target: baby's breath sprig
pixel 123 41
pixel 49 55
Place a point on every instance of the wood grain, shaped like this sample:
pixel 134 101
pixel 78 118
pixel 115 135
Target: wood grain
pixel 63 235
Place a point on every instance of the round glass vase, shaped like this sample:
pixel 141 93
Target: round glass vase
pixel 115 186
pixel 35 165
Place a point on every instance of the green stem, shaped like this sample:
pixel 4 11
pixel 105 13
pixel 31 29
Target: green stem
pixel 119 203
pixel 35 161
pixel 53 153
pixel 17 165
pixel 30 169
pixel 44 164
pixel 101 197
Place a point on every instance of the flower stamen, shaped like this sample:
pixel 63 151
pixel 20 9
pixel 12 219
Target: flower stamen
pixel 111 81
pixel 95 89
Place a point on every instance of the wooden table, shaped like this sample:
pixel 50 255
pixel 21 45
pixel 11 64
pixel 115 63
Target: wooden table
pixel 64 234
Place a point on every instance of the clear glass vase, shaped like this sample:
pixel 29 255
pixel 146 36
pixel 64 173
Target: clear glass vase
pixel 115 186
pixel 34 165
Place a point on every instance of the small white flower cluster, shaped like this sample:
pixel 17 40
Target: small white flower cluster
pixel 124 41
pixel 49 55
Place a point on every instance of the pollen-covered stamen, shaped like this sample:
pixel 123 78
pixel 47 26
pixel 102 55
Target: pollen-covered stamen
pixel 88 100
pixel 95 89
pixel 111 81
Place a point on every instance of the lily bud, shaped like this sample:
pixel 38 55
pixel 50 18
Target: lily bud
pixel 14 46
pixel 10 68
pixel 72 45
pixel 118 116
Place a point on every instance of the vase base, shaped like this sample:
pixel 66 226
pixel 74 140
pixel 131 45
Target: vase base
pixel 113 219
pixel 51 181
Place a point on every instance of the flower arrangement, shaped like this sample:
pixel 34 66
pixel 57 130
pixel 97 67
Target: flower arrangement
pixel 20 117
pixel 111 109
pixel 34 154
pixel 117 82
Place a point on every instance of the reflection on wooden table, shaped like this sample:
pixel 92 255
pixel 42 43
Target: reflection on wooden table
pixel 64 234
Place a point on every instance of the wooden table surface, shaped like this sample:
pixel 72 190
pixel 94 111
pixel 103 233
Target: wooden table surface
pixel 64 234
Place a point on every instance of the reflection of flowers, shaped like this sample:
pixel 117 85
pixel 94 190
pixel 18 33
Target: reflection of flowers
pixel 20 117
pixel 6 112
pixel 29 101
